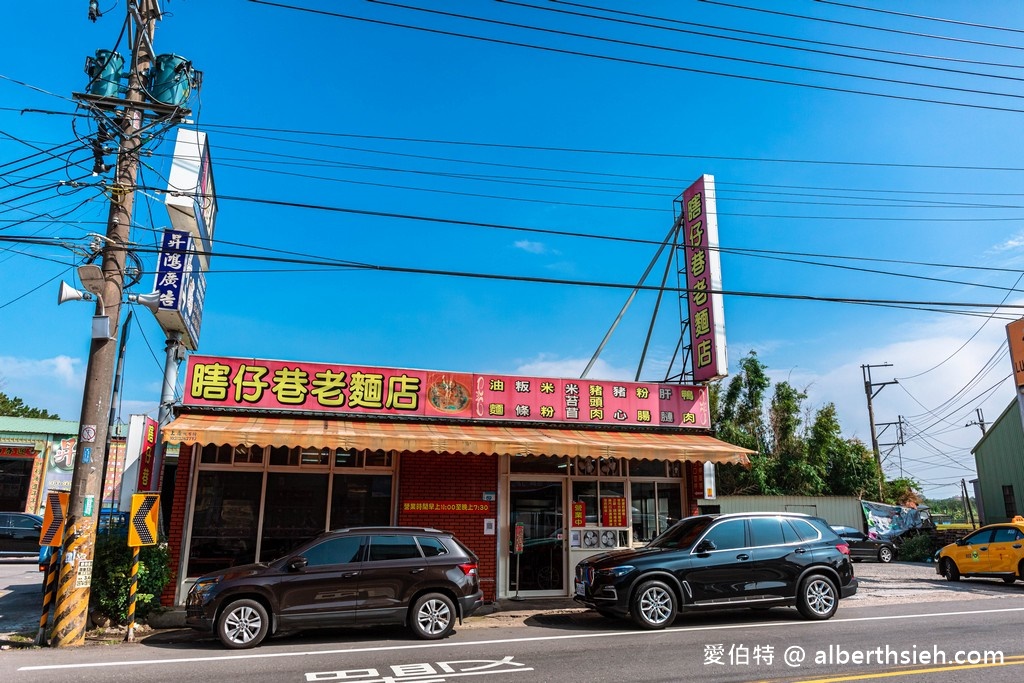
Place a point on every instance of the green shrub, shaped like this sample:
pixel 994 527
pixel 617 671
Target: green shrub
pixel 917 548
pixel 111 577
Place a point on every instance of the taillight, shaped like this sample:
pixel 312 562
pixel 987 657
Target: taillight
pixel 468 568
pixel 843 548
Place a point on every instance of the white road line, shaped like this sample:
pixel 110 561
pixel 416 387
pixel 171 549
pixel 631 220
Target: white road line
pixel 503 641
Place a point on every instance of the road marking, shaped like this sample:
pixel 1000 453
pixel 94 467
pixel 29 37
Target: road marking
pixel 503 641
pixel 1018 660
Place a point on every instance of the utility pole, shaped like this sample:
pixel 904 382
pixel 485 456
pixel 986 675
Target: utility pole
pixel 85 499
pixel 980 422
pixel 870 392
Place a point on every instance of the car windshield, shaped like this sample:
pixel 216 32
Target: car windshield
pixel 683 534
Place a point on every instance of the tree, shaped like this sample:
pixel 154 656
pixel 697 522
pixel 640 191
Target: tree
pixel 12 406
pixel 904 491
pixel 848 467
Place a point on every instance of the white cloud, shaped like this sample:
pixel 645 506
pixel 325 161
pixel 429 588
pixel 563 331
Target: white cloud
pixel 531 247
pixel 549 366
pixel 52 384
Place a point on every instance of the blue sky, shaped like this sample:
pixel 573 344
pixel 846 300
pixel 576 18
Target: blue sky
pixel 836 161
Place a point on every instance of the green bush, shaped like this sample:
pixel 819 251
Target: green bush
pixel 917 548
pixel 111 577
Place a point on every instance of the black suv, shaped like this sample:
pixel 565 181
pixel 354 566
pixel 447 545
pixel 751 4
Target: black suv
pixel 756 560
pixel 421 578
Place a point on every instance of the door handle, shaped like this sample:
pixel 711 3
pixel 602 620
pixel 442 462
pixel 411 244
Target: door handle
pixel 743 556
pixel 349 575
pixel 800 550
pixel 984 547
pixel 418 570
pixel 1016 545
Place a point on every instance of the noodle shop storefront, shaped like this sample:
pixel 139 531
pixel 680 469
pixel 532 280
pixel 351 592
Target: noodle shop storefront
pixel 532 474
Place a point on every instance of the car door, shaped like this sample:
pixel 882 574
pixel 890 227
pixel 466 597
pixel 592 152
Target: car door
pixel 720 564
pixel 394 568
pixel 778 556
pixel 861 547
pixel 324 592
pixel 971 556
pixel 1002 553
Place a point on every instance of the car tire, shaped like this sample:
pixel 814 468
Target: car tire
pixel 1009 579
pixel 432 616
pixel 885 554
pixel 242 624
pixel 653 605
pixel 950 571
pixel 817 597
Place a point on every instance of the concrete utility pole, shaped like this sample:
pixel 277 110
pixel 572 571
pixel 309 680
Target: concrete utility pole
pixel 87 480
pixel 868 387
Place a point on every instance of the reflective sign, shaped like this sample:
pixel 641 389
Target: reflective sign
pixel 145 512
pixel 53 518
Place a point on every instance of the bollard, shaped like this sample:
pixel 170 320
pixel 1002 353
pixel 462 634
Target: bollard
pixel 133 587
pixel 49 589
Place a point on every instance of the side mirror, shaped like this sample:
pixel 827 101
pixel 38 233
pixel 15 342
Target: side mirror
pixel 706 546
pixel 960 541
pixel 297 564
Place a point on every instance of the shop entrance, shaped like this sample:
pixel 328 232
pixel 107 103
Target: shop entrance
pixel 15 477
pixel 537 505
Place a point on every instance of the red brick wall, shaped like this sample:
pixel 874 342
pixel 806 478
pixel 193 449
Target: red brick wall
pixel 176 527
pixel 464 478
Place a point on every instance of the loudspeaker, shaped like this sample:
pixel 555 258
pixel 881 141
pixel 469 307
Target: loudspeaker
pixel 69 293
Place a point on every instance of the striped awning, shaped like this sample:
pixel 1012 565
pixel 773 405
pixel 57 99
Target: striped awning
pixel 446 438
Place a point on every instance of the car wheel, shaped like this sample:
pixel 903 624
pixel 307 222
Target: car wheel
pixel 950 571
pixel 1009 579
pixel 433 616
pixel 243 624
pixel 817 597
pixel 653 605
pixel 885 554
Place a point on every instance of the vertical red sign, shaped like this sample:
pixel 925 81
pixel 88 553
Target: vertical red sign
pixel 147 478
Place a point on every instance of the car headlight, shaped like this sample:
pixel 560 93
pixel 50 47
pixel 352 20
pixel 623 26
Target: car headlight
pixel 616 572
pixel 203 586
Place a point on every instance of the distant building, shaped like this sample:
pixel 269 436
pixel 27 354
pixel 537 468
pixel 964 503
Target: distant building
pixel 999 457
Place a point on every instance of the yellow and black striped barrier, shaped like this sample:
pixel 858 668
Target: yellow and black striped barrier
pixel 49 593
pixel 132 589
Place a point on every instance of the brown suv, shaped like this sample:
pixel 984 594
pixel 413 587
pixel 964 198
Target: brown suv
pixel 422 578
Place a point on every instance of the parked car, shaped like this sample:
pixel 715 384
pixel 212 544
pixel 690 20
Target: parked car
pixel 19 533
pixel 863 547
pixel 993 551
pixel 707 562
pixel 422 578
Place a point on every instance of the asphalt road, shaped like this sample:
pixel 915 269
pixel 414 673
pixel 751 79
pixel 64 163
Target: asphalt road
pixel 906 625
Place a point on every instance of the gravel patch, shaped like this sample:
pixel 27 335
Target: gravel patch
pixel 903 582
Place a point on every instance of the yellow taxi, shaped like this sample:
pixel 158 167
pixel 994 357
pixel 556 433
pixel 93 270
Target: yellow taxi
pixel 994 551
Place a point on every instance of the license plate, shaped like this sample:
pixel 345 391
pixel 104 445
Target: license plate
pixel 581 589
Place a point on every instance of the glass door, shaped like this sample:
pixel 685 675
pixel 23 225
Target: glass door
pixel 539 570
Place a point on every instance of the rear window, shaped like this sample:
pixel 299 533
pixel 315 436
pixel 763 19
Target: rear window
pixel 805 531
pixel 431 547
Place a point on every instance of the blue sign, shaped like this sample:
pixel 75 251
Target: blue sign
pixel 86 455
pixel 181 285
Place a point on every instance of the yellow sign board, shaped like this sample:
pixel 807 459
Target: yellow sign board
pixel 144 516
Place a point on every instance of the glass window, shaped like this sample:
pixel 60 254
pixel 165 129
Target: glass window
pixel 360 500
pixel 23 522
pixel 979 537
pixel 682 535
pixel 295 512
pixel 224 520
pixel 378 458
pixel 1005 534
pixel 538 464
pixel 431 546
pixel 655 507
pixel 804 530
pixel 728 534
pixel 766 531
pixel 344 550
pixel 586 492
pixel 315 456
pixel 282 456
pixel 348 457
pixel 393 548
pixel 217 455
pixel 647 468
